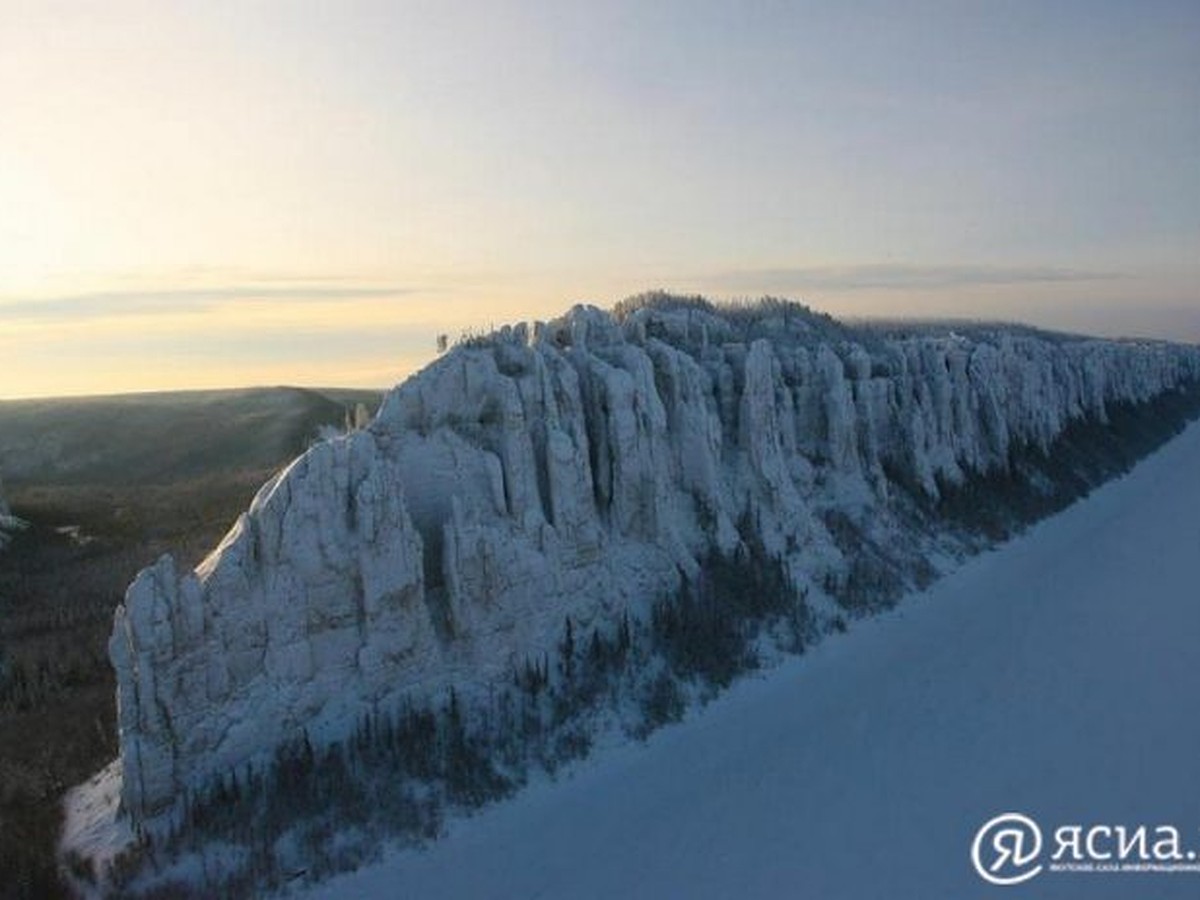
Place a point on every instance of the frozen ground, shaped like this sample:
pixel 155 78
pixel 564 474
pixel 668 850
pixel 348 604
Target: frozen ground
pixel 1056 677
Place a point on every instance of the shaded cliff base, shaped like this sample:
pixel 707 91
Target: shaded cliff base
pixel 990 508
pixel 315 810
pixel 1088 453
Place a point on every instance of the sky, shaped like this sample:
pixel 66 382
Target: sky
pixel 205 194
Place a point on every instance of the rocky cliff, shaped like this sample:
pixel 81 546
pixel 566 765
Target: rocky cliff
pixel 582 468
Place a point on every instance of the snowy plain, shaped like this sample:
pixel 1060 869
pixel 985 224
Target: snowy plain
pixel 1055 676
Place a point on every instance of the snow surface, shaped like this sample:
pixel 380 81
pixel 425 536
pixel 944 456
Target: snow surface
pixel 1054 677
pixel 91 828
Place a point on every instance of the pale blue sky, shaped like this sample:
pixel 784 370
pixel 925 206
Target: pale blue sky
pixel 217 176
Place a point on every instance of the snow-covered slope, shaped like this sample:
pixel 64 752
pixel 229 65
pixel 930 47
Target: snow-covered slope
pixel 163 437
pixel 1052 677
pixel 580 468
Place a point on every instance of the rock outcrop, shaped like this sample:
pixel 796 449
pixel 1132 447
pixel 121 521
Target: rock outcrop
pixel 581 468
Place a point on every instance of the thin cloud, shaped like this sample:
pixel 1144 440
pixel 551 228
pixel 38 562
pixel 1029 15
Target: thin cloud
pixel 888 276
pixel 109 304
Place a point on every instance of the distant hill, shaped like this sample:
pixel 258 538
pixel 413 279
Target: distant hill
pixel 164 437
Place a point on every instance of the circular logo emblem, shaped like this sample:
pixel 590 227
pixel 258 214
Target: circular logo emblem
pixel 1006 849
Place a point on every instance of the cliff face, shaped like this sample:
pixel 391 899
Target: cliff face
pixel 579 468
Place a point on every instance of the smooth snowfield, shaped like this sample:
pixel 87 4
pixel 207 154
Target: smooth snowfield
pixel 1055 677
